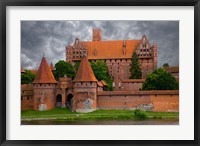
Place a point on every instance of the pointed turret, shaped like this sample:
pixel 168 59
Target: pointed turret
pixel 44 73
pixel 51 67
pixel 85 72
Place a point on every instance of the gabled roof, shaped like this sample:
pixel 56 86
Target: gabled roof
pixel 110 49
pixel 44 73
pixel 85 72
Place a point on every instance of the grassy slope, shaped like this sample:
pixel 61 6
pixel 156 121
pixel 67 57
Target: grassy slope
pixel 65 114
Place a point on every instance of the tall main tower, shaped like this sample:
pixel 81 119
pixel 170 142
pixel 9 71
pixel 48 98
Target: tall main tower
pixel 96 34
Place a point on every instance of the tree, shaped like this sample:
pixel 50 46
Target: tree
pixel 27 77
pixel 76 66
pixel 160 79
pixel 63 68
pixel 100 70
pixel 165 65
pixel 135 69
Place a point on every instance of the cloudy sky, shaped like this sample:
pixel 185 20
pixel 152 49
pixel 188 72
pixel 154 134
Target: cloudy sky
pixel 51 37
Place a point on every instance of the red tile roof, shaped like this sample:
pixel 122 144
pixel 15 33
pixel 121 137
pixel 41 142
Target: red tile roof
pixel 44 73
pixel 172 69
pixel 85 72
pixel 51 66
pixel 103 82
pixel 110 49
pixel 100 84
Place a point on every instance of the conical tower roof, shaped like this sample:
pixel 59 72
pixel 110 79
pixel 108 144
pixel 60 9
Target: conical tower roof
pixel 85 72
pixel 51 66
pixel 44 73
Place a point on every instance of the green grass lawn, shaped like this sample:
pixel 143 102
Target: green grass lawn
pixel 66 114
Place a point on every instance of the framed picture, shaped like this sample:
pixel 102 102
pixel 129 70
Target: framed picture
pixel 99 72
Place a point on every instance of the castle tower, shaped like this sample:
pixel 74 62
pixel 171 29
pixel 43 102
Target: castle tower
pixel 51 67
pixel 96 34
pixel 85 88
pixel 44 88
pixel 155 55
pixel 147 56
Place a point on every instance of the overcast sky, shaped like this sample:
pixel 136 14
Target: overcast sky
pixel 51 37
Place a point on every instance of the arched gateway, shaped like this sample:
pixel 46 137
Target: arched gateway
pixel 59 100
pixel 69 101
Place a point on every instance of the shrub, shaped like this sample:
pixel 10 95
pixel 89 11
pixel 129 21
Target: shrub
pixel 139 115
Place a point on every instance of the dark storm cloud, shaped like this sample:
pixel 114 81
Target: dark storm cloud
pixel 51 37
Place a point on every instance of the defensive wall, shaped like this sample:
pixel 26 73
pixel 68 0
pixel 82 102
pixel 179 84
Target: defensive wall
pixel 158 101
pixel 26 97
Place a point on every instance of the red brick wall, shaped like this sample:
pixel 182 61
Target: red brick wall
pixel 162 101
pixel 27 103
pixel 121 101
pixel 165 103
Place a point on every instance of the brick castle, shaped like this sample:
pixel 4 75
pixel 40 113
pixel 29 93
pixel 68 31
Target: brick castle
pixel 85 93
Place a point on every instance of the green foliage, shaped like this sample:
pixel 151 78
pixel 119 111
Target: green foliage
pixel 76 66
pixel 67 115
pixel 100 70
pixel 139 115
pixel 135 69
pixel 165 65
pixel 63 68
pixel 160 79
pixel 27 77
